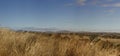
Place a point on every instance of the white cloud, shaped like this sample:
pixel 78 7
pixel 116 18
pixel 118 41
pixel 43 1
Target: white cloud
pixel 82 2
pixel 104 3
pixel 116 5
pixel 110 11
pixel 111 5
pixel 95 2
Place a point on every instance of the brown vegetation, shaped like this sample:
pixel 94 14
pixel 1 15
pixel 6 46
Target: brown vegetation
pixel 56 44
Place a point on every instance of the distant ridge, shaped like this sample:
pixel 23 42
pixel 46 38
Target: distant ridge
pixel 42 29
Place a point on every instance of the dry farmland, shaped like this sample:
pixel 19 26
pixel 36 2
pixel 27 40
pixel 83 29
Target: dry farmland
pixel 24 43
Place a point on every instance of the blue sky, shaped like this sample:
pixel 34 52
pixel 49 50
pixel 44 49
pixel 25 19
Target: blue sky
pixel 78 15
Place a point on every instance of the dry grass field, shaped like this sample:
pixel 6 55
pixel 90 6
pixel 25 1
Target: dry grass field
pixel 13 43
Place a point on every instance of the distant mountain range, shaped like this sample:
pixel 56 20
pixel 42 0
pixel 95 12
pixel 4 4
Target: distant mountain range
pixel 42 29
pixel 53 29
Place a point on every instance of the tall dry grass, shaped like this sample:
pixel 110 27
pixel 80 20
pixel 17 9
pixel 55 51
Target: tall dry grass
pixel 46 44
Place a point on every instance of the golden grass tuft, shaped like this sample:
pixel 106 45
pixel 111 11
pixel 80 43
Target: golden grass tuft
pixel 53 44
